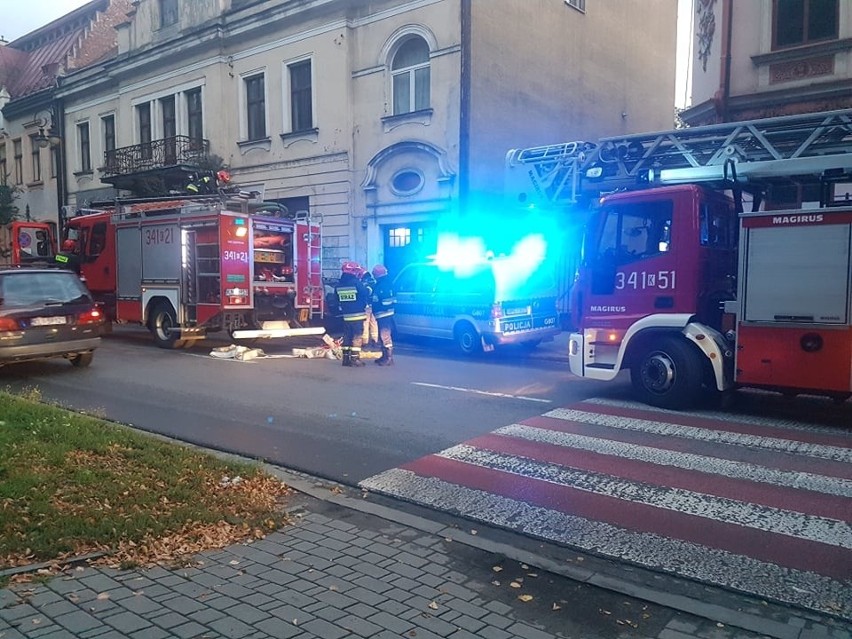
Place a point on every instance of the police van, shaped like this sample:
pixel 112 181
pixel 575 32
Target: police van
pixel 479 305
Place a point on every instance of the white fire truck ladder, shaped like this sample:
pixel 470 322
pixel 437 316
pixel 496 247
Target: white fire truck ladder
pixel 757 151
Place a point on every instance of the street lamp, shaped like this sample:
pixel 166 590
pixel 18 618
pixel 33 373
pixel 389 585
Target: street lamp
pixel 48 138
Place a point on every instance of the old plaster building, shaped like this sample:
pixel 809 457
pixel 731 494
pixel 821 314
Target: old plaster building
pixel 766 58
pixel 386 118
pixel 30 124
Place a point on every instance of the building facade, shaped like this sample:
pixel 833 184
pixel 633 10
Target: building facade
pixel 767 58
pixel 385 118
pixel 31 152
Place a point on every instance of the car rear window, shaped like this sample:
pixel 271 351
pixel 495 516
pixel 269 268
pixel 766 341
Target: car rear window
pixel 30 288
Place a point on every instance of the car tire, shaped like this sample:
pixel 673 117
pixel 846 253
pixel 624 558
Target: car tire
pixel 468 340
pixel 163 326
pixel 82 360
pixel 668 375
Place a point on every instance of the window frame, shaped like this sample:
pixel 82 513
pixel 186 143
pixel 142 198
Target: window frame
pixel 806 40
pixel 84 147
pixel 3 164
pixel 18 156
pixel 299 122
pixel 579 5
pixel 194 117
pixel 169 13
pixel 255 123
pixel 35 157
pixel 410 73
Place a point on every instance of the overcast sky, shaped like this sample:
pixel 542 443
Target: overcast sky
pixel 19 17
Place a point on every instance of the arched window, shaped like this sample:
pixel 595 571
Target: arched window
pixel 410 76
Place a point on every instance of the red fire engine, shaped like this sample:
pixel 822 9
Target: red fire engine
pixel 188 267
pixel 686 290
pixel 24 242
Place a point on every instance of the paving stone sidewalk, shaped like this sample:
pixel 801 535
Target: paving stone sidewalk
pixel 338 573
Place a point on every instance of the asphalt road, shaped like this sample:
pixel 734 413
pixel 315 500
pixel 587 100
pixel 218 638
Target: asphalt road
pixel 309 415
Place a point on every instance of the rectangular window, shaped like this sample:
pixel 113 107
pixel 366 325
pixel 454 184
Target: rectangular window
pixel 108 126
pixel 35 155
pixel 84 147
pixel 3 168
pixel 580 5
pixel 194 116
pixel 143 120
pixel 18 148
pixel 168 13
pixel 798 22
pixel 301 106
pixel 167 107
pixel 255 107
pixel 54 160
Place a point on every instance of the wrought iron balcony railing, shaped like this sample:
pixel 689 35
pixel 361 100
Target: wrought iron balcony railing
pixel 157 154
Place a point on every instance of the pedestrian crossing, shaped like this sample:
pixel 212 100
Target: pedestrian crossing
pixel 751 503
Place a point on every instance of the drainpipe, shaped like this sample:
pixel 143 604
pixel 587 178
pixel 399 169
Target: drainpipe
pixel 61 189
pixel 464 107
pixel 723 106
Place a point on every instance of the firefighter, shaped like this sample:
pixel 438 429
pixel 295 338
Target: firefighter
pixel 383 301
pixel 370 336
pixel 69 256
pixel 352 299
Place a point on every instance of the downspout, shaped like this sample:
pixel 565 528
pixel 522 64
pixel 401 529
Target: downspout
pixel 464 106
pixel 61 190
pixel 723 109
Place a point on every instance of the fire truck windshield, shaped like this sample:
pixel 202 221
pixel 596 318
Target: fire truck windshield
pixel 634 231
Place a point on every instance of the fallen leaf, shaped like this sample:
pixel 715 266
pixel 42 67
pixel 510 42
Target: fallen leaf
pixel 525 598
pixel 515 584
pixel 525 567
pixel 556 606
pixel 433 605
pixel 497 569
pixel 333 588
pixel 532 574
pixel 472 531
pixel 496 583
pixel 604 612
pixel 103 595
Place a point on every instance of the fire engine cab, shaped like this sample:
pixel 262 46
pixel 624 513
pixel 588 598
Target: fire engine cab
pixel 684 288
pixel 191 266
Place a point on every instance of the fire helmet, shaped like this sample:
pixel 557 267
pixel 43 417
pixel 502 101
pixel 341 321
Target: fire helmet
pixel 379 270
pixel 353 268
pixel 69 245
pixel 223 176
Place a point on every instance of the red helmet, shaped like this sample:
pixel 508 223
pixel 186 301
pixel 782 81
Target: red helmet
pixel 353 268
pixel 69 245
pixel 379 270
pixel 223 176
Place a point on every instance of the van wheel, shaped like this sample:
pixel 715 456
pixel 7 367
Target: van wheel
pixel 82 360
pixel 467 339
pixel 164 326
pixel 668 375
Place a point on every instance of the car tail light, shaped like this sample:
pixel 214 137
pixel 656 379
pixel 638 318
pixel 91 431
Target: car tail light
pixel 93 316
pixel 496 311
pixel 8 324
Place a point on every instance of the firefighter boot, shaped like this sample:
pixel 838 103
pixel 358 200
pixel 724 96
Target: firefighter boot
pixel 347 358
pixel 387 356
pixel 356 359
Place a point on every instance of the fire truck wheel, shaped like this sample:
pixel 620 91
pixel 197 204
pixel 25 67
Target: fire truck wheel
pixel 668 375
pixel 164 326
pixel 81 360
pixel 467 339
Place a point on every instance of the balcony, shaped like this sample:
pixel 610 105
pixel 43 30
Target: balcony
pixel 152 168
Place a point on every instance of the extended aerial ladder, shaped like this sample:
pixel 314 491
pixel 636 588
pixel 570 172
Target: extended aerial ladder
pixel 748 155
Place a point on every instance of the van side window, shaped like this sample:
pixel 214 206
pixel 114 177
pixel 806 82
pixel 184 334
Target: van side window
pixel 406 282
pixel 98 239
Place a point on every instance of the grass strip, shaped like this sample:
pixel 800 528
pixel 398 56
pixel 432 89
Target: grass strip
pixel 72 484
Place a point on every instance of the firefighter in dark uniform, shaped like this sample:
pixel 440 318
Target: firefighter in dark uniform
pixel 383 301
pixel 69 256
pixel 352 300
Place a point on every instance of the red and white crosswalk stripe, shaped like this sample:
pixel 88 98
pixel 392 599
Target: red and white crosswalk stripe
pixel 752 504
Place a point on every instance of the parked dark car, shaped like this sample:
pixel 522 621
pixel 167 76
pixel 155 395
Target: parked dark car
pixel 45 313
